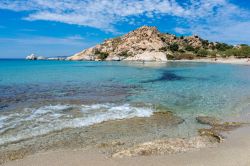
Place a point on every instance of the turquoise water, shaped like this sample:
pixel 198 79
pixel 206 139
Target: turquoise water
pixel 38 97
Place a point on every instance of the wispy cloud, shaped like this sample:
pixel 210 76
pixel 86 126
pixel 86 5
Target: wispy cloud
pixel 102 14
pixel 206 18
pixel 43 40
pixel 225 22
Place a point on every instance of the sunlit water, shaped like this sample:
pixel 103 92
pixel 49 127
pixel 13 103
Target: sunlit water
pixel 37 97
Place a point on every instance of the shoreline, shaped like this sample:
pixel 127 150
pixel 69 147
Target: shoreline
pixel 234 151
pixel 243 61
pixel 230 60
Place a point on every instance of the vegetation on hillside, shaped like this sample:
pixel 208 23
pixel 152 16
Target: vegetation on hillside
pixel 207 49
pixel 149 39
pixel 101 55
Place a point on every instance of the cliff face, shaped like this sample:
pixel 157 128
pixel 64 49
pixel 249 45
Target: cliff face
pixel 145 44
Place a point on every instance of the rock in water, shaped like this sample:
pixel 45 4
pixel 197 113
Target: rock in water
pixel 208 120
pixel 31 57
pixel 41 58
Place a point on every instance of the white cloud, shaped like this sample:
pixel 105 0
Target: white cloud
pixel 225 23
pixel 102 14
pixel 203 17
pixel 43 40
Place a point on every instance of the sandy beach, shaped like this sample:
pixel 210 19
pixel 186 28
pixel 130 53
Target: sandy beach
pixel 230 60
pixel 234 151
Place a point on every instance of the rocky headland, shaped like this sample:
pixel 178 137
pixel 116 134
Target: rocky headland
pixel 148 44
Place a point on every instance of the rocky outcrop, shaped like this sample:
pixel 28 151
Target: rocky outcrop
pixel 41 58
pixel 217 127
pixel 34 57
pixel 143 44
pixel 31 57
pixel 165 146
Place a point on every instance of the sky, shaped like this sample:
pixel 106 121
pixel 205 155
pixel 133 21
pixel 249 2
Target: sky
pixel 64 27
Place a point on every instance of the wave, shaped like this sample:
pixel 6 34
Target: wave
pixel 39 121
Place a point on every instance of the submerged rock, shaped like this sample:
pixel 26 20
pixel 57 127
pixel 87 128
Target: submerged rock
pixel 217 127
pixel 207 120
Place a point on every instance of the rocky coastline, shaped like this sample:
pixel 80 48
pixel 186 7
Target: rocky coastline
pixel 148 44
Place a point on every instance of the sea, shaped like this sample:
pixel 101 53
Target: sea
pixel 40 97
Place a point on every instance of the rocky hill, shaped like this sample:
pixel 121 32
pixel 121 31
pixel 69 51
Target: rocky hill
pixel 148 44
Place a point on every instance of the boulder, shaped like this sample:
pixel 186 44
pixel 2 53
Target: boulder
pixel 41 58
pixel 149 56
pixel 31 57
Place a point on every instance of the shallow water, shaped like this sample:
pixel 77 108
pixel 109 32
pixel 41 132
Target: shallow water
pixel 38 97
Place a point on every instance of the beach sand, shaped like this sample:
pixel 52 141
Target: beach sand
pixel 235 151
pixel 230 60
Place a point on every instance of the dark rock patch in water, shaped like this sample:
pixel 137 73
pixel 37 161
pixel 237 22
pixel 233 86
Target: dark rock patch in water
pixel 166 76
pixel 14 95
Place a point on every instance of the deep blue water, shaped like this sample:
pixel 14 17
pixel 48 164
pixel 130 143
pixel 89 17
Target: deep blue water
pixel 41 96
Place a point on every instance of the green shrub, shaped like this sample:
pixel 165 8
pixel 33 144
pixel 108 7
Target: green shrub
pixel 242 52
pixel 124 54
pixel 101 55
pixel 185 40
pixel 223 46
pixel 174 47
pixel 163 39
pixel 205 42
pixel 202 53
pixel 170 57
pixel 189 48
pixel 196 49
pixel 212 54
pixel 243 45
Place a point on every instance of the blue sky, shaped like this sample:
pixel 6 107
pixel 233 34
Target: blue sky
pixel 64 27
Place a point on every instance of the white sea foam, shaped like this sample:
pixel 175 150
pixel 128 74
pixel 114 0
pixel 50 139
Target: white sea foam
pixel 56 117
pixel 2 121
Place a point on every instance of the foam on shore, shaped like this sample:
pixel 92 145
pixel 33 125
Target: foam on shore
pixel 38 121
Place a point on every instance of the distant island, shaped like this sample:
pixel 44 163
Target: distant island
pixel 148 44
pixel 35 57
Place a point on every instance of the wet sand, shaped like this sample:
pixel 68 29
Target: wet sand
pixel 108 137
pixel 235 151
pixel 135 141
